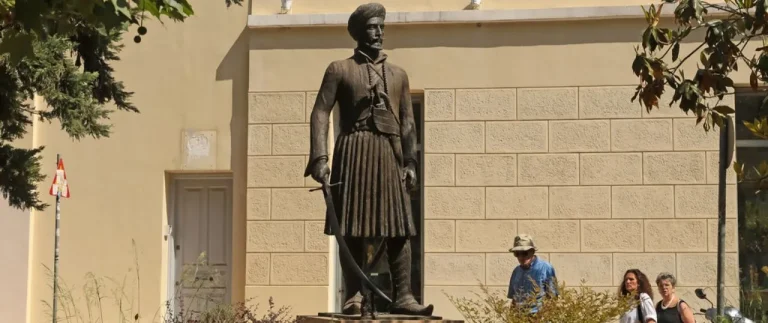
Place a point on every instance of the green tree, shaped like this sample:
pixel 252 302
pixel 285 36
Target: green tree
pixel 61 50
pixel 727 28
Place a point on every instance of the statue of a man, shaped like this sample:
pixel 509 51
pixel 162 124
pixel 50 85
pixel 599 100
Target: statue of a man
pixel 374 159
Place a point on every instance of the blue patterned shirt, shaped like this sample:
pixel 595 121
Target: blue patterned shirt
pixel 521 287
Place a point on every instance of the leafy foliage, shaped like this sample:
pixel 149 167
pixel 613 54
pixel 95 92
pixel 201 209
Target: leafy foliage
pixel 61 50
pixel 580 304
pixel 728 28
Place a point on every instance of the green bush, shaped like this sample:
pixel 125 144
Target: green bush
pixel 581 304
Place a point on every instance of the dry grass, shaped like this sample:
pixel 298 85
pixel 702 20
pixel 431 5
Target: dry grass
pixel 103 300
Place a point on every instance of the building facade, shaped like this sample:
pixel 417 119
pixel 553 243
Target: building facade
pixel 525 126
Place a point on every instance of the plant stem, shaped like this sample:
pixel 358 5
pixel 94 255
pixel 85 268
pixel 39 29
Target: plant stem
pixel 726 8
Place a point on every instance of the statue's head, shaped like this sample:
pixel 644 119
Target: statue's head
pixel 366 25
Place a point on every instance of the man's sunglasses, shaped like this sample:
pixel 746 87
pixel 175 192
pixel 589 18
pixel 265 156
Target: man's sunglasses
pixel 521 253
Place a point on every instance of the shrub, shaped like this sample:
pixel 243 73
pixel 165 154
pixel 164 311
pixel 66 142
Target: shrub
pixel 241 313
pixel 197 305
pixel 581 304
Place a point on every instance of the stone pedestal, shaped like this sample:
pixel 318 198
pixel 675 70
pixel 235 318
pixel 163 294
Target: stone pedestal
pixel 381 318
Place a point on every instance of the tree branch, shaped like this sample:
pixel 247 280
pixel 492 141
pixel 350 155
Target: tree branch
pixel 687 57
pixel 726 8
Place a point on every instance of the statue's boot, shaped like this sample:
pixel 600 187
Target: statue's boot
pixel 399 254
pixel 354 299
pixel 353 305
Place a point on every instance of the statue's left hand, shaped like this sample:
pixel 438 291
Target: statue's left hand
pixel 409 176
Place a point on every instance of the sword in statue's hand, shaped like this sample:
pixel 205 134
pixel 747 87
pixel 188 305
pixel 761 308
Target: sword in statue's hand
pixel 344 253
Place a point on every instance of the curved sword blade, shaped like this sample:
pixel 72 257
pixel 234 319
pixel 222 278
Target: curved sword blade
pixel 344 253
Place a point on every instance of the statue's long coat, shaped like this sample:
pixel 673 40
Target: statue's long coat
pixel 372 149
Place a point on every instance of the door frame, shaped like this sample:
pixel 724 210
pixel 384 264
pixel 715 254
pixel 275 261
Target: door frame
pixel 172 261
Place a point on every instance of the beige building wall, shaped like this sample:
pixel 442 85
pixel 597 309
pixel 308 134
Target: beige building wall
pixel 187 77
pixel 14 251
pixel 288 256
pixel 600 184
pixel 251 91
pixel 529 129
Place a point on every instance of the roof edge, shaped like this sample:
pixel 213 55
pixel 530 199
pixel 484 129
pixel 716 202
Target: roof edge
pixel 461 16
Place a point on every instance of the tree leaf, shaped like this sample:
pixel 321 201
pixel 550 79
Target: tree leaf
pixel 671 81
pixel 647 37
pixel 637 65
pixel 750 126
pixel 121 7
pixel 718 120
pixel 654 39
pixel 724 109
pixel 658 14
pixel 176 10
pixel 187 8
pixel 714 22
pixel 763 168
pixel 703 59
pixel 150 6
pixel 738 168
pixel 647 15
pixel 727 81
pixel 675 51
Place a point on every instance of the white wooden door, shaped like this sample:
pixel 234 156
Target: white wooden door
pixel 202 235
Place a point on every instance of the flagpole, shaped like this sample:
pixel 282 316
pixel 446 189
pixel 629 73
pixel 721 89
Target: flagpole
pixel 56 250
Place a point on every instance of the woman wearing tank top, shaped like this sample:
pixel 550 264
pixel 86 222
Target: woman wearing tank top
pixel 671 309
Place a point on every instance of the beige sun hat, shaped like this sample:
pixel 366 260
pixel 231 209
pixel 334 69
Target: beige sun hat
pixel 523 242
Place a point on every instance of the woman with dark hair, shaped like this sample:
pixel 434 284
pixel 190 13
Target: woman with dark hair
pixel 636 282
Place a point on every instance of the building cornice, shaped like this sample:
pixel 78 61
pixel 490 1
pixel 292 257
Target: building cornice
pixel 460 16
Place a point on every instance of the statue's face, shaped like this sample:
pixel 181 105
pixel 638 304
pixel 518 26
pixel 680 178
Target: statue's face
pixel 373 37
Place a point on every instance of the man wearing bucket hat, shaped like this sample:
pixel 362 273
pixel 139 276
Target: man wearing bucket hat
pixel 531 270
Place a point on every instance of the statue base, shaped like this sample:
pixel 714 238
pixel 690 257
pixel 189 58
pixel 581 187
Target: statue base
pixel 380 318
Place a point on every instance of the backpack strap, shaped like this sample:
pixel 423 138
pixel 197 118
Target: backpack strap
pixel 640 316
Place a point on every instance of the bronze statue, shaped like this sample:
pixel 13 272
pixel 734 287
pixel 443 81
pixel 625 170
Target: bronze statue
pixel 374 161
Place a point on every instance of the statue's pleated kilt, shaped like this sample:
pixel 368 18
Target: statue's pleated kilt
pixel 372 200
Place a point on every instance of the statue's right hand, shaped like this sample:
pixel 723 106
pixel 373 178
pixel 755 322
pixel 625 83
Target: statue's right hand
pixel 320 171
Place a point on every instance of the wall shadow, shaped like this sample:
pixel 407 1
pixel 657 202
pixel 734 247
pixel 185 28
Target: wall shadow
pixel 234 67
pixel 485 35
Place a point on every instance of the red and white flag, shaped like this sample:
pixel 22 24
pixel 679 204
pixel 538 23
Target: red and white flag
pixel 60 181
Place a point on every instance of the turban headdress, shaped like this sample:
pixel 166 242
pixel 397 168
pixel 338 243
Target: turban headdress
pixel 359 18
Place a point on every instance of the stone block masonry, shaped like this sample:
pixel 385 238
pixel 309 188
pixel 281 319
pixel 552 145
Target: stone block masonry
pixel 601 185
pixel 287 252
